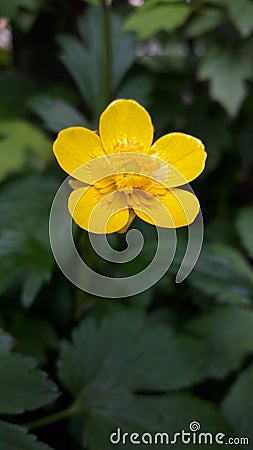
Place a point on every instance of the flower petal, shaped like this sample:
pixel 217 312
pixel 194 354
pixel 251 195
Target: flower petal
pixel 176 208
pixel 98 213
pixel 75 184
pixel 185 155
pixel 76 146
pixel 126 126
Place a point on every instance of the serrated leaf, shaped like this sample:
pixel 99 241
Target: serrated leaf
pixel 227 73
pixel 24 241
pixel 169 414
pixel 138 87
pixel 207 21
pixel 22 386
pixel 6 342
pixel 77 60
pixel 228 335
pixel 56 113
pixel 93 2
pixel 110 364
pixel 147 21
pixel 17 140
pixel 13 437
pixel 25 20
pixel 237 405
pixel 180 361
pixel 224 273
pixel 123 51
pixel 244 225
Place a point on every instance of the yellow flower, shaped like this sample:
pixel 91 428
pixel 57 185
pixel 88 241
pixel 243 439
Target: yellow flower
pixel 120 174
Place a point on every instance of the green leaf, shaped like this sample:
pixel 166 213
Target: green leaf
pixel 25 204
pixel 241 13
pixel 13 437
pixel 244 224
pixel 75 59
pixel 109 367
pixel 56 113
pixel 214 133
pixel 137 87
pixel 34 337
pixel 228 336
pixel 223 272
pixel 25 20
pixel 24 243
pixel 23 256
pixel 204 23
pixel 93 2
pixel 123 51
pixel 148 20
pixel 237 405
pixel 11 9
pixel 227 73
pixel 22 386
pixel 96 358
pixel 85 58
pixel 6 342
pixel 18 139
pixel 15 89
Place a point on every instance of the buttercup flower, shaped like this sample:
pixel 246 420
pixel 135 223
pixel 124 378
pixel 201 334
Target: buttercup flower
pixel 119 173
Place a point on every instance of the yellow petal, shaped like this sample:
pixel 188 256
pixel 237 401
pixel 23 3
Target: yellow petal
pixel 184 154
pixel 98 213
pixel 76 146
pixel 176 208
pixel 125 126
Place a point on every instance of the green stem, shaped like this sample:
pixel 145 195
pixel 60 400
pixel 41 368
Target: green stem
pixel 56 417
pixel 107 41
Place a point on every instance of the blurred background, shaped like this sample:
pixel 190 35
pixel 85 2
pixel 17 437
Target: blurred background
pixel 73 367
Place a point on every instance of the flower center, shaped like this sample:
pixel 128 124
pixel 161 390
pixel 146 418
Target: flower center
pixel 132 181
pixel 130 172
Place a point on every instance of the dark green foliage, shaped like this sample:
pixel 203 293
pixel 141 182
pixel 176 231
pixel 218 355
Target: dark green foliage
pixel 108 377
pixel 24 249
pixel 237 405
pixel 74 368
